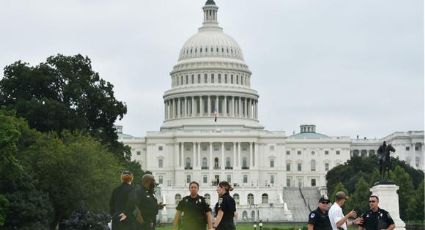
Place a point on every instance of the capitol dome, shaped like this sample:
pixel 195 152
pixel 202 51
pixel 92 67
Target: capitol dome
pixel 211 84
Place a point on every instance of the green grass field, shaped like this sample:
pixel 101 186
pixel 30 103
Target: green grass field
pixel 246 226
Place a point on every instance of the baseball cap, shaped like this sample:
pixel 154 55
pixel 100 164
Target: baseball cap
pixel 324 198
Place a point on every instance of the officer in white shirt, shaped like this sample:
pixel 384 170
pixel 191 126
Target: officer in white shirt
pixel 337 218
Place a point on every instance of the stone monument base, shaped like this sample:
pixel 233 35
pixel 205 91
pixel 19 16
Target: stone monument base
pixel 388 200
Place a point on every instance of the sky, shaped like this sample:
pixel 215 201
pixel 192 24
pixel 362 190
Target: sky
pixel 353 67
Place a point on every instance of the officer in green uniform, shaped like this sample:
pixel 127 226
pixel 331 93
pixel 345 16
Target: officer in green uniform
pixel 193 212
pixel 376 218
pixel 225 208
pixel 147 204
pixel 319 219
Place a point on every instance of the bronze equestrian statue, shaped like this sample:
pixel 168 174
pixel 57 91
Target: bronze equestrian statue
pixel 384 159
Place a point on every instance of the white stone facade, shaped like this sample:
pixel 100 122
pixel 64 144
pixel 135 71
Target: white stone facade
pixel 211 133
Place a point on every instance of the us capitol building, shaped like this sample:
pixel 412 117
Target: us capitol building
pixel 211 133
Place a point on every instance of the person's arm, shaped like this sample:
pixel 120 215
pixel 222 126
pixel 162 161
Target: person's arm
pixel 218 218
pixel 344 219
pixel 176 220
pixel 310 226
pixel 391 227
pixel 209 220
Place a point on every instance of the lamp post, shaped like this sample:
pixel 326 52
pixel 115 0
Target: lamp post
pixel 255 226
pixel 261 225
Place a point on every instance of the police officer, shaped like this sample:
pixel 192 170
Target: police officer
pixel 225 208
pixel 121 206
pixel 193 211
pixel 376 218
pixel 319 219
pixel 147 204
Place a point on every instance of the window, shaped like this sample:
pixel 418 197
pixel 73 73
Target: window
pixel 264 198
pixel 271 147
pixel 338 152
pixel 177 198
pixel 159 148
pixel 187 80
pixel 225 78
pixel 244 163
pixel 299 167
pixel 250 199
pixel 199 78
pixel 236 198
pixel 216 163
pixel 271 179
pixel 219 78
pixel 231 79
pixel 212 78
pixel 288 152
pixel 207 198
pixel 160 179
pixel 138 153
pixel 326 152
pixel 229 179
pixel 204 163
pixel 326 167
pixel 245 179
pixel 228 163
pixel 272 163
pixel 407 148
pixel 205 179
pixel 188 163
pixel 288 182
pixel 160 163
pixel 313 165
pixel 313 182
pixel 299 152
pixel 188 179
pixel 193 79
pixel 205 78
pixel 288 167
pixel 312 152
pixel 417 161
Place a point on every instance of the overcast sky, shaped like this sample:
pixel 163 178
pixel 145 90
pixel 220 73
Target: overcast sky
pixel 350 67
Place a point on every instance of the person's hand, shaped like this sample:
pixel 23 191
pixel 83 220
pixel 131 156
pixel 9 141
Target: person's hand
pixel 352 214
pixel 161 205
pixel 122 216
pixel 358 221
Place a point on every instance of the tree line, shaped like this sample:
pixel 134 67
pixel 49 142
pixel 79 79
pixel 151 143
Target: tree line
pixel 59 151
pixel 359 174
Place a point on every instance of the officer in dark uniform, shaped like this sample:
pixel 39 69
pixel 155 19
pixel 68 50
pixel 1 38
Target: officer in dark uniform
pixel 193 212
pixel 225 208
pixel 319 219
pixel 121 206
pixel 147 204
pixel 376 218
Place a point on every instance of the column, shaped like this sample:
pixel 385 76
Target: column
pixel 209 106
pixel 255 153
pixel 256 110
pixel 181 150
pixel 240 107
pixel 249 108
pixel 234 156
pixel 198 150
pixel 250 156
pixel 232 107
pixel 186 110
pixel 194 160
pixel 193 107
pixel 225 106
pixel 239 154
pixel 246 107
pixel 178 107
pixel 222 156
pixel 216 109
pixel 201 107
pixel 177 154
pixel 211 157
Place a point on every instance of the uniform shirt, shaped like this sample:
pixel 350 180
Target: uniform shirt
pixel 335 215
pixel 376 220
pixel 194 211
pixel 226 204
pixel 147 204
pixel 320 220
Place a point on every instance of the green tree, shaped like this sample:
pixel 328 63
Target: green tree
pixel 4 203
pixel 64 93
pixel 406 190
pixel 359 198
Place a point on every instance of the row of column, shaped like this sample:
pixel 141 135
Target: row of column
pixel 196 161
pixel 205 106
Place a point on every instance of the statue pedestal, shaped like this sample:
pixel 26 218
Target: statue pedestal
pixel 388 200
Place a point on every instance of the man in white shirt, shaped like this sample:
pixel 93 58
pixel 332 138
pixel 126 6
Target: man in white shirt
pixel 336 217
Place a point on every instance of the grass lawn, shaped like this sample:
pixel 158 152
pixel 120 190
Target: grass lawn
pixel 244 226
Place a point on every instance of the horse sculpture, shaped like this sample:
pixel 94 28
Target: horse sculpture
pixel 384 159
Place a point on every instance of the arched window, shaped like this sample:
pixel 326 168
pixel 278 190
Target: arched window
pixel 204 163
pixel 177 198
pixel 188 164
pixel 250 199
pixel 207 198
pixel 313 165
pixel 245 215
pixel 265 198
pixel 236 198
pixel 216 162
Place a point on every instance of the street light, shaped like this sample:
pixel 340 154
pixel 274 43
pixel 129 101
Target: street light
pixel 255 226
pixel 261 225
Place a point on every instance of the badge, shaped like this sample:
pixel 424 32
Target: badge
pixel 312 215
pixel 381 215
pixel 367 216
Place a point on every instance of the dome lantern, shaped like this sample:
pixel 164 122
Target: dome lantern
pixel 210 14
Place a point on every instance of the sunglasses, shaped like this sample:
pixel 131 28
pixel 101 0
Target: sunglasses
pixel 324 202
pixel 372 201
